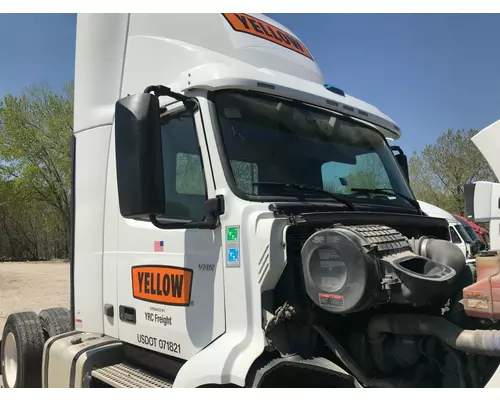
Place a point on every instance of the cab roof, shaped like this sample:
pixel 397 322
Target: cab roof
pixel 119 54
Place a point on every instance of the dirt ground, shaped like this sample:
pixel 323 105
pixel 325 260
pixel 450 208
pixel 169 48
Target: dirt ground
pixel 32 287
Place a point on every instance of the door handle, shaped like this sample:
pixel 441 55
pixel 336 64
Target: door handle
pixel 127 314
pixel 109 310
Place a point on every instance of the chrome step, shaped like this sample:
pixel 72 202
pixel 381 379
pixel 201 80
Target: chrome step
pixel 127 376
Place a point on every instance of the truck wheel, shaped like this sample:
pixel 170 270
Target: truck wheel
pixel 22 350
pixel 55 321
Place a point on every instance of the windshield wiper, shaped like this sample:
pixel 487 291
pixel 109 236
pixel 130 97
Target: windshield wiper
pixel 308 188
pixel 388 191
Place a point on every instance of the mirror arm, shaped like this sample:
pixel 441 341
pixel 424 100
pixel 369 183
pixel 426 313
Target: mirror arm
pixel 190 103
pixel 397 148
pixel 160 90
pixel 214 208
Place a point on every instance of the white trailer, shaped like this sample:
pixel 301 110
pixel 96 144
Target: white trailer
pixel 239 222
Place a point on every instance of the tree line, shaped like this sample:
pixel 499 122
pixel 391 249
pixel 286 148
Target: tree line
pixel 35 173
pixel 438 173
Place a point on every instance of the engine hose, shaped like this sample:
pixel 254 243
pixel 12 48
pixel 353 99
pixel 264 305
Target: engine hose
pixel 472 366
pixel 349 363
pixel 460 364
pixel 485 342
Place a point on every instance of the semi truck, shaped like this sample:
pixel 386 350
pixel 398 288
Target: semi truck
pixel 239 222
pixel 478 242
pixel 458 235
pixel 482 198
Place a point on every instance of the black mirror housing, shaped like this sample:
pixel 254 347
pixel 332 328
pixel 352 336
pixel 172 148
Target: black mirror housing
pixel 402 161
pixel 139 156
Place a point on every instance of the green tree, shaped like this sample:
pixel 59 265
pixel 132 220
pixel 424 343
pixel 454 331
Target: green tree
pixel 439 172
pixel 35 131
pixel 367 173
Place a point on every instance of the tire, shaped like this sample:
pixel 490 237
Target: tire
pixel 22 351
pixel 55 321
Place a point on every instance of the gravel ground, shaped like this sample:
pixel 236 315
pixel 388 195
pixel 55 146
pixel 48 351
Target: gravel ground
pixel 32 287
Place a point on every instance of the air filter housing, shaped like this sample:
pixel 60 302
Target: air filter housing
pixel 351 268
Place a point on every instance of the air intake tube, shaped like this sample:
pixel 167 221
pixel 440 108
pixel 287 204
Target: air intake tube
pixel 440 251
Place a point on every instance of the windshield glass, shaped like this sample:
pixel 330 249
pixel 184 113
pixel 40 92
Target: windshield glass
pixel 269 139
pixel 472 234
pixel 461 230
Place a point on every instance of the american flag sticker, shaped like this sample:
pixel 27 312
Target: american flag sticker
pixel 158 245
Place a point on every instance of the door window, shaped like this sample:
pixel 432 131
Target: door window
pixel 185 185
pixel 454 236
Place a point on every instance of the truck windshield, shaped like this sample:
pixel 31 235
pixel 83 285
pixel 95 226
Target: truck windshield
pixel 472 234
pixel 465 236
pixel 275 141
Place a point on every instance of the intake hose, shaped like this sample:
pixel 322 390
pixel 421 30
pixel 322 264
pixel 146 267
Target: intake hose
pixel 484 342
pixel 349 363
pixel 440 251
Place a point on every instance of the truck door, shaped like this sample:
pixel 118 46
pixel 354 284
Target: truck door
pixel 457 240
pixel 170 281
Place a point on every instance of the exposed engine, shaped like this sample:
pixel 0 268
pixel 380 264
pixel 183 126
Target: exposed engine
pixel 350 269
pixel 389 309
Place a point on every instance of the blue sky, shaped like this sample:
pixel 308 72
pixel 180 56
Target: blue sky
pixel 428 72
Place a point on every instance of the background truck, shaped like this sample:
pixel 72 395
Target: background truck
pixel 483 198
pixel 238 222
pixel 458 235
pixel 477 241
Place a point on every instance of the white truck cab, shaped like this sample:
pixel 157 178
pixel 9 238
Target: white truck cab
pixel 482 201
pixel 483 198
pixel 458 234
pixel 239 222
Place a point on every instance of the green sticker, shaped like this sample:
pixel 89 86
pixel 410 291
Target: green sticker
pixel 232 234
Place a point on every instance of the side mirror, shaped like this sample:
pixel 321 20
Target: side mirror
pixel 481 245
pixel 474 249
pixel 139 160
pixel 402 161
